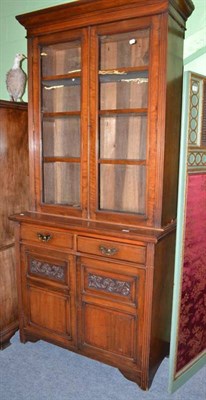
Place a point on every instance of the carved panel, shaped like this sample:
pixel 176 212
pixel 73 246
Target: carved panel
pixel 195 111
pixel 197 124
pixel 46 269
pixel 110 285
pixel 197 159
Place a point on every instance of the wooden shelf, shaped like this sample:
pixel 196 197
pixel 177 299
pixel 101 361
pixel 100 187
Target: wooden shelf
pixel 124 76
pixel 63 77
pixel 126 111
pixel 61 159
pixel 52 84
pixel 123 162
pixel 62 114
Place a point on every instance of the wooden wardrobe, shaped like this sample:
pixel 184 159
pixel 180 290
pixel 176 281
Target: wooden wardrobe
pixel 13 198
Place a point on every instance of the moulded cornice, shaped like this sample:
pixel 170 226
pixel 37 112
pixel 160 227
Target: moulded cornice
pixel 83 12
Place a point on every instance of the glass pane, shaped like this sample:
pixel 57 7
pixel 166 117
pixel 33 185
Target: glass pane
pixel 130 49
pixel 61 137
pixel 123 91
pixel 122 188
pixel 61 59
pixel 62 183
pixel 62 95
pixel 123 137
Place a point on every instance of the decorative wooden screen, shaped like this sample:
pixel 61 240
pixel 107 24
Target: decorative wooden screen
pixel 204 115
pixel 188 335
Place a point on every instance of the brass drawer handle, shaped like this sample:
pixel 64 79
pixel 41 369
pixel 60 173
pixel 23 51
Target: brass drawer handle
pixel 108 251
pixel 44 238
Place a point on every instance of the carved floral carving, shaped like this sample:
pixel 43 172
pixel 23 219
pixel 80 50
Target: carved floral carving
pixel 43 268
pixel 109 284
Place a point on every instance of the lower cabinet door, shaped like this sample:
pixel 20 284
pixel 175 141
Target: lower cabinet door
pixel 110 330
pixel 49 311
pixel 48 295
pixel 111 311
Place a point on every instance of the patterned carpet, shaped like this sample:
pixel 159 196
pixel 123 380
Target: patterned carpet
pixel 42 371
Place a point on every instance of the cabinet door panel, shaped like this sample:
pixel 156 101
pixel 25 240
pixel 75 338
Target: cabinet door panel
pixel 61 58
pixel 111 310
pixel 56 97
pixel 111 285
pixel 47 270
pixel 48 294
pixel 58 134
pixel 50 311
pixel 122 188
pixel 125 94
pixel 109 330
pixel 62 183
pixel 129 143
pixel 122 50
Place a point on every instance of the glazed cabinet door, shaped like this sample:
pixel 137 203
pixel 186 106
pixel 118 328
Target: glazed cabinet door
pixel 123 119
pixel 110 311
pixel 61 126
pixel 48 293
pixel 98 91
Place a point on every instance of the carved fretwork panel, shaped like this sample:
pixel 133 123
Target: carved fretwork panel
pixel 46 269
pixel 106 280
pixel 195 108
pixel 109 285
pixel 204 114
pixel 197 111
pixel 197 159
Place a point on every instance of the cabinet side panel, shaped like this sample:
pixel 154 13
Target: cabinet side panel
pixel 162 300
pixel 173 120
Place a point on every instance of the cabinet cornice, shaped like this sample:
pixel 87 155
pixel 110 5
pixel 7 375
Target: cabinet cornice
pixel 83 13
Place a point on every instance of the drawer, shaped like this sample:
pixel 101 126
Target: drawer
pixel 111 249
pixel 46 236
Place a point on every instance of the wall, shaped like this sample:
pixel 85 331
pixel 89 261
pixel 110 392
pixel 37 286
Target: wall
pixel 195 40
pixel 12 36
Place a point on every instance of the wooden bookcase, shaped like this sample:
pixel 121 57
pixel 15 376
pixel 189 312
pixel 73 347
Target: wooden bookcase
pixel 96 249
